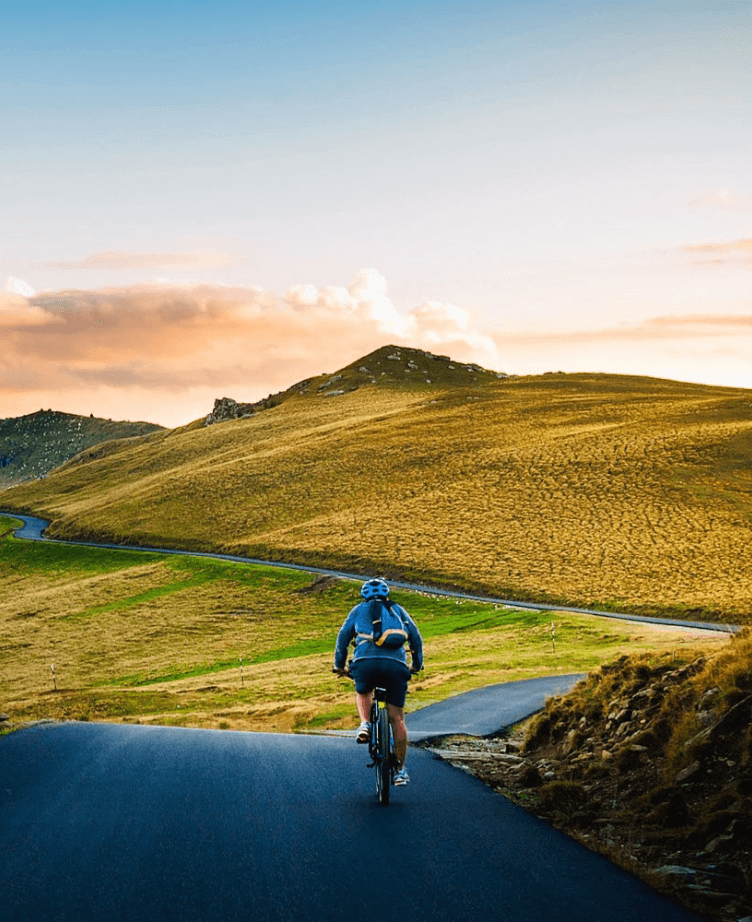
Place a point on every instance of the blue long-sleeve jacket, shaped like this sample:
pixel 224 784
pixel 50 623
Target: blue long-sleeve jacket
pixel 358 625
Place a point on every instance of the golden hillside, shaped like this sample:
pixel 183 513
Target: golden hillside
pixel 599 490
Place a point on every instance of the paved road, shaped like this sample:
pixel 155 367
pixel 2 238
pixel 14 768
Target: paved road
pixel 33 530
pixel 127 823
pixel 485 711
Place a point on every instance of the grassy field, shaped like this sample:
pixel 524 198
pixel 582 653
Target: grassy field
pixel 158 638
pixel 603 491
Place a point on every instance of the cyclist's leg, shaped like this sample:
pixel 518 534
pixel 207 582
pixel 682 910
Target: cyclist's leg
pixel 363 704
pixel 362 673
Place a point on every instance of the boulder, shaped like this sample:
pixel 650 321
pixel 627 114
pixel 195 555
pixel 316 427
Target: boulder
pixel 226 408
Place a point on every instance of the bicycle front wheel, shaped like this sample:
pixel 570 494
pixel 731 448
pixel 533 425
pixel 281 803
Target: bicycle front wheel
pixel 383 759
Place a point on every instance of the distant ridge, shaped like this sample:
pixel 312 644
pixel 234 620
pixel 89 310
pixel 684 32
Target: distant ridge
pixel 33 445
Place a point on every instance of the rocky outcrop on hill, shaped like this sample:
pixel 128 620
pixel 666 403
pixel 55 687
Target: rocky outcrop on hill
pixel 649 765
pixel 226 408
pixel 33 445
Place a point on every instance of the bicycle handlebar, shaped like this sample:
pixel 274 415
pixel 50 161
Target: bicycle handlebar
pixel 346 674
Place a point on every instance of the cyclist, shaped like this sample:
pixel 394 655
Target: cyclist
pixel 380 661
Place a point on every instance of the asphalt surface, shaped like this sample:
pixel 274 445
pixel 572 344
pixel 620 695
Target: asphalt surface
pixel 486 711
pixel 117 822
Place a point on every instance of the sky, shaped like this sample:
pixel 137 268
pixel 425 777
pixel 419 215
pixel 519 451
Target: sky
pixel 200 200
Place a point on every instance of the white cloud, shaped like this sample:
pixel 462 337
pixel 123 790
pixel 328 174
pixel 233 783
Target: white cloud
pixel 19 287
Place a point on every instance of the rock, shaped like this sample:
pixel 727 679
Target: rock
pixel 688 772
pixel 676 872
pixel 4 717
pixel 226 408
pixel 464 755
pixel 570 742
pixel 708 699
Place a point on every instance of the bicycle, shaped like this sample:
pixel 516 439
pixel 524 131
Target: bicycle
pixel 380 743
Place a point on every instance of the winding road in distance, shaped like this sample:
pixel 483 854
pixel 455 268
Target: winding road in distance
pixel 33 530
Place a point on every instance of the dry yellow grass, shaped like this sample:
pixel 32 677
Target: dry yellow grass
pixel 595 490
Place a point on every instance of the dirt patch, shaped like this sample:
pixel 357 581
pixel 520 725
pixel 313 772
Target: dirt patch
pixel 320 584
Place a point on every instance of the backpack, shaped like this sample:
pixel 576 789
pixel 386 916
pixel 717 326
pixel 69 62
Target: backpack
pixel 388 627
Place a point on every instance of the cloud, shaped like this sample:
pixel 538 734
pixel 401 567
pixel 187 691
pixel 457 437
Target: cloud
pixel 163 344
pixel 745 245
pixel 721 254
pixel 125 260
pixel 673 328
pixel 19 287
pixel 722 198
pixel 16 314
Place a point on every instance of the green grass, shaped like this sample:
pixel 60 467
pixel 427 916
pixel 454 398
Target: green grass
pixel 160 638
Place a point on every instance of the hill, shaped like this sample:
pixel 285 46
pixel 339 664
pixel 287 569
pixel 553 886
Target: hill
pixel 33 445
pixel 605 490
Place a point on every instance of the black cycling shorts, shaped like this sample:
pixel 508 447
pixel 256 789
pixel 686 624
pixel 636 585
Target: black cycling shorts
pixel 390 674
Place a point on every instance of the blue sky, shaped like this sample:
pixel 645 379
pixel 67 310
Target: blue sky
pixel 534 185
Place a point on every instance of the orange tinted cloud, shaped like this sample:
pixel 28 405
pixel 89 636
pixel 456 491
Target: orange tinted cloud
pixel 124 259
pixel 188 345
pixel 745 245
pixel 673 328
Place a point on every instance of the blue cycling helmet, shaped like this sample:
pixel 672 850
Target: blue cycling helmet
pixel 374 589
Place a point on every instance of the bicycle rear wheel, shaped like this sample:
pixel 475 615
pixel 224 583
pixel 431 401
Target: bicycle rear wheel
pixel 383 760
